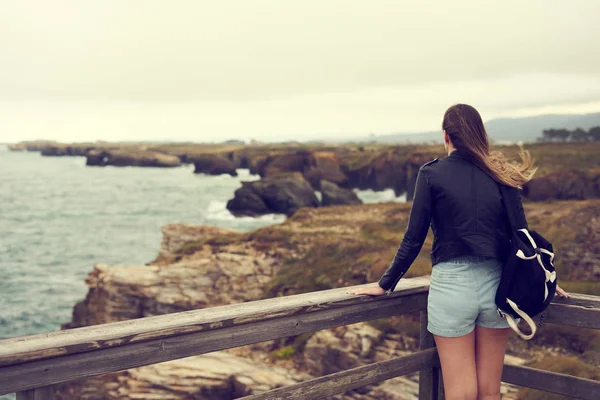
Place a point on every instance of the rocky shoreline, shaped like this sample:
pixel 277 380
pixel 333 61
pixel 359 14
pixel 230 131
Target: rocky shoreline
pixel 567 172
pixel 314 249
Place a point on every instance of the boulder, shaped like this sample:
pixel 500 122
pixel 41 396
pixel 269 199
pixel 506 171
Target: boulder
pixel 283 193
pixel 211 164
pixel 133 158
pixel 247 201
pixel 96 157
pixel 286 193
pixel 335 195
pixel 563 185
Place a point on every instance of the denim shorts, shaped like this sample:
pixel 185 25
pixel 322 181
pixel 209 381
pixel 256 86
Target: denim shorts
pixel 462 294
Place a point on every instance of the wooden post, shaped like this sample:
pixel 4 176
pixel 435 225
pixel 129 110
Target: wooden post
pixel 440 395
pixel 429 378
pixel 43 393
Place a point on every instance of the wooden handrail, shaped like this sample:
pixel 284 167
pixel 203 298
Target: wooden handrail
pixel 35 363
pixel 41 360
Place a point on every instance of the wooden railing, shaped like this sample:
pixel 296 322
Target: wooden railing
pixel 31 365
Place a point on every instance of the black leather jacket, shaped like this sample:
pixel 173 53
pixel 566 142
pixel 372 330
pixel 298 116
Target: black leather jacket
pixel 464 206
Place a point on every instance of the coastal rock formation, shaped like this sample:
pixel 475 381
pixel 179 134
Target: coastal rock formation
pixel 200 266
pixel 118 293
pixel 335 195
pixel 324 165
pixel 211 164
pixel 181 239
pixel 247 201
pixel 32 145
pixel 564 185
pixel 131 158
pixel 380 172
pixel 566 171
pixel 316 248
pixel 55 149
pixel 17 147
pixel 62 150
pixel 295 161
pixel 340 348
pixel 283 193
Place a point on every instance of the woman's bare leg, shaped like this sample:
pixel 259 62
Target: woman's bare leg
pixel 490 347
pixel 457 356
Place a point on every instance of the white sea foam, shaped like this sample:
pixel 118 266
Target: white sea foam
pixel 244 174
pixel 319 196
pixel 217 211
pixel 371 196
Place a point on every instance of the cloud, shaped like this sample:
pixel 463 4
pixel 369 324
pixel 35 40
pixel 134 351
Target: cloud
pixel 274 70
pixel 151 50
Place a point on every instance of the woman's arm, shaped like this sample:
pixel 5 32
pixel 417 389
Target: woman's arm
pixel 416 232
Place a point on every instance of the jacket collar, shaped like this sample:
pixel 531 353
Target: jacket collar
pixel 458 154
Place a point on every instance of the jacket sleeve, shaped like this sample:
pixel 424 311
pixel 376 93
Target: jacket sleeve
pixel 416 232
pixel 521 220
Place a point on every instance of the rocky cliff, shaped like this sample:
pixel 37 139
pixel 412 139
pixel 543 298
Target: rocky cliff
pixel 566 171
pixel 315 249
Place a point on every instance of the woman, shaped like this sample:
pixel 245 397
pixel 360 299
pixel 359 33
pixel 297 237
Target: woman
pixel 460 197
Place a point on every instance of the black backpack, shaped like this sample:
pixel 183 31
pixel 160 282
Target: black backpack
pixel 528 282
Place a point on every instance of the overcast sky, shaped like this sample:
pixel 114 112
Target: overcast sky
pixel 282 69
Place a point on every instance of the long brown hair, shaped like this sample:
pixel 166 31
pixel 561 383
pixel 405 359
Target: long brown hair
pixel 464 127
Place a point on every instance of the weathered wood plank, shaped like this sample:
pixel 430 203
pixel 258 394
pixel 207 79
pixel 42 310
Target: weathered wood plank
pixel 579 316
pixel 354 378
pixel 577 299
pixel 75 366
pixel 36 347
pixel 428 377
pixel 25 395
pixel 43 393
pixel 552 382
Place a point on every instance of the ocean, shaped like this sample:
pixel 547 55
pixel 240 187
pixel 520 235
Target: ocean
pixel 58 218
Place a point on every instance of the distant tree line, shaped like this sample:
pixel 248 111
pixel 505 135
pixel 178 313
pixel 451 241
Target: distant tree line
pixel 576 135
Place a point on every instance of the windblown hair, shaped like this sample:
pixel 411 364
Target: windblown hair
pixel 464 126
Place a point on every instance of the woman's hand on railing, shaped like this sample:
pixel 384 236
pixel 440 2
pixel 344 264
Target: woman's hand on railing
pixel 371 290
pixel 561 292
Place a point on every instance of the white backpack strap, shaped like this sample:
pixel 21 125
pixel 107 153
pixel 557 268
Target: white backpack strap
pixel 522 255
pixel 513 324
pixel 526 232
pixel 551 254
